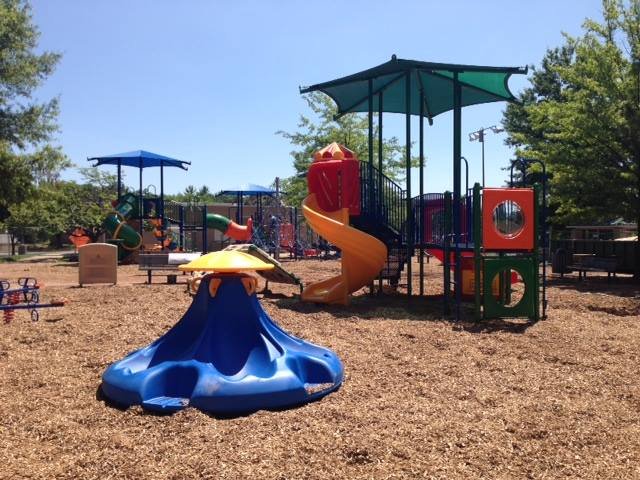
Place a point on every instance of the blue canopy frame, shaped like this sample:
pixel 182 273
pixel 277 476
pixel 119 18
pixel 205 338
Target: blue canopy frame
pixel 140 159
pixel 250 189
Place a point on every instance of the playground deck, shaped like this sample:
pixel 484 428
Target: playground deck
pixel 423 397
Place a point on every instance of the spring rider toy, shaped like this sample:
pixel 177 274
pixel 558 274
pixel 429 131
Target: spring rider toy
pixel 225 356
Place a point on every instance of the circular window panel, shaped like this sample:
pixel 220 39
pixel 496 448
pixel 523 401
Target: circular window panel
pixel 508 219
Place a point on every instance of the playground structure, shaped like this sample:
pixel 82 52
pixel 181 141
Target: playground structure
pixel 79 238
pixel 440 224
pixel 146 221
pixel 126 223
pixel 376 224
pixel 25 297
pixel 500 238
pixel 334 195
pixel 225 356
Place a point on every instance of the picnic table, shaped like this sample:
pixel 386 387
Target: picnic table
pixel 588 262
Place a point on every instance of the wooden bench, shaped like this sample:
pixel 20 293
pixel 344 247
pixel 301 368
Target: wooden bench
pixel 583 263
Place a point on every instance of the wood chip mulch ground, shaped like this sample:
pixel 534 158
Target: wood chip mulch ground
pixel 423 397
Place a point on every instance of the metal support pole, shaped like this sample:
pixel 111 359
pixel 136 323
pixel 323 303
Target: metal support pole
pixel 380 152
pixel 536 225
pixel 140 202
pixel 545 239
pixel 447 256
pixel 466 183
pixel 238 221
pixel 296 238
pixel 371 199
pixel 421 198
pixel 482 141
pixel 467 202
pixel 119 180
pixel 279 220
pixel 457 147
pixel 477 253
pixel 181 226
pixel 380 170
pixel 161 206
pixel 259 209
pixel 204 230
pixel 409 222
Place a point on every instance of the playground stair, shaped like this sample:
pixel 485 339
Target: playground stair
pixel 382 215
pixel 396 260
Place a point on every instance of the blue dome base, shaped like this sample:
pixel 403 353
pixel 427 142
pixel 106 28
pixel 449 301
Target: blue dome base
pixel 225 356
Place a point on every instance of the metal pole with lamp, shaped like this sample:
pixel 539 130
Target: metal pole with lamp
pixel 478 135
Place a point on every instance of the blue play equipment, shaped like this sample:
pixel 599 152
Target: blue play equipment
pixel 225 356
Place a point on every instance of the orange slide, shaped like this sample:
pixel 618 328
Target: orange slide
pixel 363 256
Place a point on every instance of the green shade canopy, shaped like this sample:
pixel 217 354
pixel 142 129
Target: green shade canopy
pixel 434 80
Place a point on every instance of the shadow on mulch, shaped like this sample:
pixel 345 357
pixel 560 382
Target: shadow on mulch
pixel 32 261
pixel 494 326
pixel 398 307
pixel 101 397
pixel 617 311
pixel 54 320
pixel 618 286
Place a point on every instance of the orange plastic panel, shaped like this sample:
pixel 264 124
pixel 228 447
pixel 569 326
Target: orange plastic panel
pixel 522 239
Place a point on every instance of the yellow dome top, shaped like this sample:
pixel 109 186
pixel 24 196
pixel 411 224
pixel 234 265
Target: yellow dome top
pixel 225 261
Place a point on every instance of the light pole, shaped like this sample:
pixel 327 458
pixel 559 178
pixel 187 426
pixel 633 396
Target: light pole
pixel 478 135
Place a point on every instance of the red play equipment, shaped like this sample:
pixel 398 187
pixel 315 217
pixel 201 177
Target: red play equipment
pixel 79 237
pixel 334 177
pixel 514 206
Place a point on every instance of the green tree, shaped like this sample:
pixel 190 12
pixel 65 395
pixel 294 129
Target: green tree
pixel 25 123
pixel 582 117
pixel 57 207
pixel 193 195
pixel 351 130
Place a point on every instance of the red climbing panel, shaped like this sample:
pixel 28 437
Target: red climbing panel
pixel 334 177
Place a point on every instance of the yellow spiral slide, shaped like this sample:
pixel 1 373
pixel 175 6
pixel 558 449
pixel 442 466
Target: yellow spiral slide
pixel 363 256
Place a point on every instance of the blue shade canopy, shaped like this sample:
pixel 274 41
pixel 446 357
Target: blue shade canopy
pixel 248 189
pixel 139 159
pixel 428 82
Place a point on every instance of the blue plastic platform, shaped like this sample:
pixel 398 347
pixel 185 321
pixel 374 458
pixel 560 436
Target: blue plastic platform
pixel 225 356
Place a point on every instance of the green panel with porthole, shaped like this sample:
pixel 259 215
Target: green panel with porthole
pixel 526 267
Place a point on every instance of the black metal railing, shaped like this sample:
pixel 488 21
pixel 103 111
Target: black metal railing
pixel 430 222
pixel 382 201
pixel 172 211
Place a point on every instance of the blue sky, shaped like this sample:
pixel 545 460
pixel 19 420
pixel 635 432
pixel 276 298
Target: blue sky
pixel 212 81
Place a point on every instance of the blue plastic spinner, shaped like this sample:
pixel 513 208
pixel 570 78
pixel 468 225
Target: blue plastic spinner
pixel 225 356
